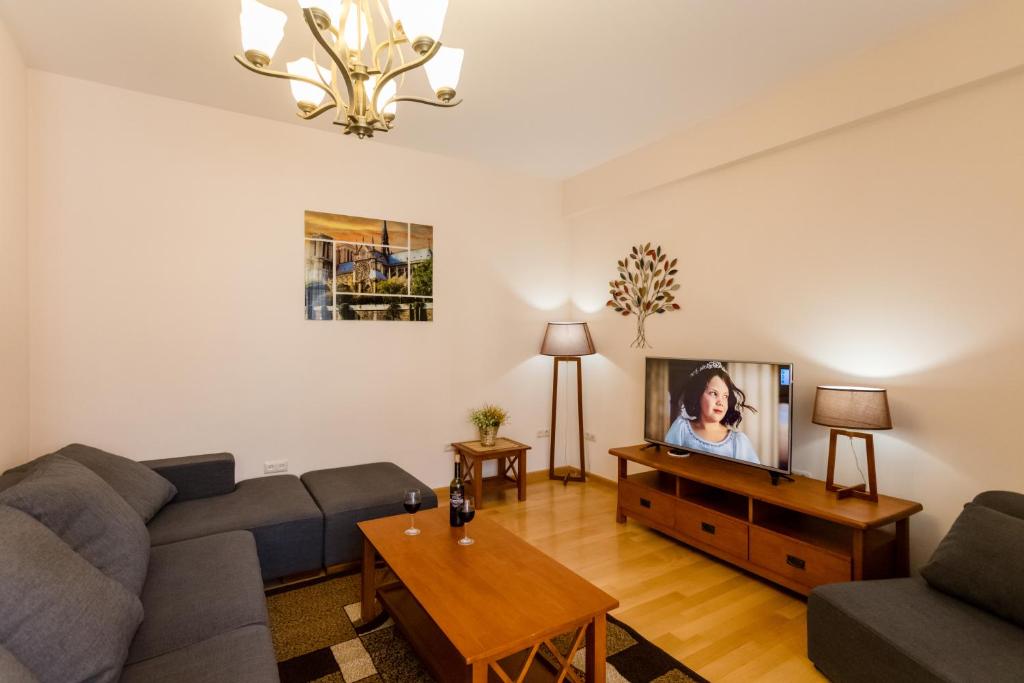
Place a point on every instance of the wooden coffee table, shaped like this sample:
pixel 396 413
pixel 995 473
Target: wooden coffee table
pixel 511 457
pixel 480 613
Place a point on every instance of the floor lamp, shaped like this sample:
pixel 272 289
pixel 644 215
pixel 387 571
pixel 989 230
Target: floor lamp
pixel 567 342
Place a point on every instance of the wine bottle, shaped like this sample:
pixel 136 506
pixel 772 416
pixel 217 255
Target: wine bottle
pixel 456 494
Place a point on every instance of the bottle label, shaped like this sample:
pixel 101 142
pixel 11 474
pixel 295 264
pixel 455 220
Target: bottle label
pixel 456 497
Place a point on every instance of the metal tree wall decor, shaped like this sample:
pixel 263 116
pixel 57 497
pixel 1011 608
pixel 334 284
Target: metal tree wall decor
pixel 644 288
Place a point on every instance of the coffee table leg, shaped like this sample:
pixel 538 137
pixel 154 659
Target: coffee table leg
pixel 480 670
pixel 369 606
pixel 597 642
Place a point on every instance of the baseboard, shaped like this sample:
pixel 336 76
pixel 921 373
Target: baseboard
pixel 598 479
pixel 294 579
pixel 541 475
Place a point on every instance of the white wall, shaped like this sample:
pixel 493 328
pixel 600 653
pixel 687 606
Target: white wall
pixel 167 289
pixel 886 253
pixel 14 384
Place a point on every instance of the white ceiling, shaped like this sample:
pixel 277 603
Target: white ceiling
pixel 551 87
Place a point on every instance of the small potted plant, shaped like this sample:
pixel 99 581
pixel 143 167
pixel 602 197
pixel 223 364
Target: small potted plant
pixel 487 420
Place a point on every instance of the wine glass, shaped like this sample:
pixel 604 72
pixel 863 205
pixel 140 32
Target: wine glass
pixel 412 503
pixel 466 513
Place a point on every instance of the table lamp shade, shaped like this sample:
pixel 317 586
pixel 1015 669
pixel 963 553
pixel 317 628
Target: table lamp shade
pixel 852 408
pixel 567 339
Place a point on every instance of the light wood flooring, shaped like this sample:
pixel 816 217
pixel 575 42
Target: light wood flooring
pixel 725 624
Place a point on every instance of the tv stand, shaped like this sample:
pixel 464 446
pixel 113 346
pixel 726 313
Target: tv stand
pixel 798 536
pixel 779 475
pixel 647 445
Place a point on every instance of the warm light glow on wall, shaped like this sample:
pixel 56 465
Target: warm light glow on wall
pixel 589 302
pixel 884 344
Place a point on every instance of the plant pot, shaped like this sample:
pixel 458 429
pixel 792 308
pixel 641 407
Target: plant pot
pixel 488 435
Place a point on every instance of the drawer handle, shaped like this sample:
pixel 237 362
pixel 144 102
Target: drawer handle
pixel 707 528
pixel 794 561
pixel 644 503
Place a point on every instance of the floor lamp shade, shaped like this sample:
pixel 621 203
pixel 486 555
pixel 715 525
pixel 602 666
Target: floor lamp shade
pixel 566 342
pixel 567 339
pixel 846 408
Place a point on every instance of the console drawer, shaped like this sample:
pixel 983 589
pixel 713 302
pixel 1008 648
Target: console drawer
pixel 646 503
pixel 713 528
pixel 797 560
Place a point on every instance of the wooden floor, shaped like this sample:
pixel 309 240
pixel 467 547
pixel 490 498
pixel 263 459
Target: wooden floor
pixel 719 621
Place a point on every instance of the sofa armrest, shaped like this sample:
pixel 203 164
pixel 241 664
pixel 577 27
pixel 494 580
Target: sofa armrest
pixel 197 476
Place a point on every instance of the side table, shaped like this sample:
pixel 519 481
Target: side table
pixel 511 457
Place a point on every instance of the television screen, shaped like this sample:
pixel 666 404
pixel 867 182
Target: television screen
pixel 734 410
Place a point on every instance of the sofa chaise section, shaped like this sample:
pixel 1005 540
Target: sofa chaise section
pixel 205 614
pixel 278 510
pixel 244 654
pixel 198 589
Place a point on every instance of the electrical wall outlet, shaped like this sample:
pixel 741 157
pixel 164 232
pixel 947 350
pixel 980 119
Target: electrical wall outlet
pixel 802 473
pixel 543 433
pixel 589 436
pixel 275 466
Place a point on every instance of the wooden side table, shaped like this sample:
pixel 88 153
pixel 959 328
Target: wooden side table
pixel 511 457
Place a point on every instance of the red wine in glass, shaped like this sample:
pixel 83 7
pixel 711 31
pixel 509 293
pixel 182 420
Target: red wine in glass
pixel 467 511
pixel 412 502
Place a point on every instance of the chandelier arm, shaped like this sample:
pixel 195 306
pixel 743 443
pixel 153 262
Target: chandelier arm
pixel 392 40
pixel 386 44
pixel 409 66
pixel 423 100
pixel 371 34
pixel 316 112
pixel 307 13
pixel 286 76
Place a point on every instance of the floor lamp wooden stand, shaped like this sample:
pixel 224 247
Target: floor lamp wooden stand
pixel 567 342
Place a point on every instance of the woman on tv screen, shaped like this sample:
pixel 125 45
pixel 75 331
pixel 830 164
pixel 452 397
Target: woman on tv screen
pixel 709 415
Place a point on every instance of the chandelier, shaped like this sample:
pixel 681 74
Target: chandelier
pixel 364 43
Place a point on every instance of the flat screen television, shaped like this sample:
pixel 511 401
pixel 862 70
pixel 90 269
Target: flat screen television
pixel 738 411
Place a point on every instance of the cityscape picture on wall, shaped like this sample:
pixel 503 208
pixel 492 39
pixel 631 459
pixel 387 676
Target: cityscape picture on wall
pixel 368 269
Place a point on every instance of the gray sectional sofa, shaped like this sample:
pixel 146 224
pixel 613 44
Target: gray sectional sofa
pixel 116 570
pixel 962 621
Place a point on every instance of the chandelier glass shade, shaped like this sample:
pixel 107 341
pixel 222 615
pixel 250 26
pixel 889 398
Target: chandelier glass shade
pixel 369 48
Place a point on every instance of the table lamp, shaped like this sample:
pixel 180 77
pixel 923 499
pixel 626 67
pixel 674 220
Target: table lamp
pixel 852 408
pixel 567 342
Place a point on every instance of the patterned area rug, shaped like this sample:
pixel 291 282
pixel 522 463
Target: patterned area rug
pixel 318 636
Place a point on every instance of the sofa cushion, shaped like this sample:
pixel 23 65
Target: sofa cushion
pixel 348 495
pixel 278 510
pixel 62 618
pixel 902 631
pixel 143 489
pixel 86 514
pixel 980 561
pixel 9 479
pixel 245 654
pixel 1007 502
pixel 13 671
pixel 197 589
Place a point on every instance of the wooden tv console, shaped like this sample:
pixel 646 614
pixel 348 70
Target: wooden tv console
pixel 795 534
